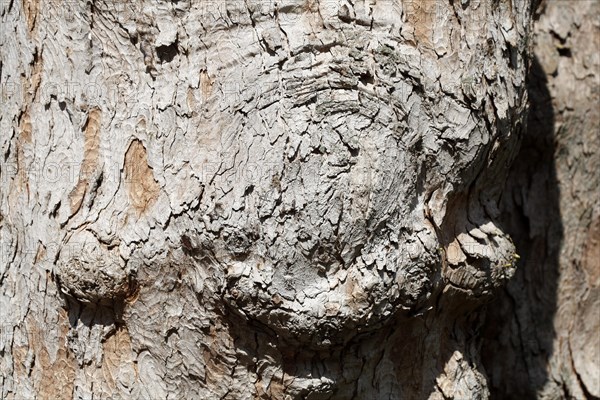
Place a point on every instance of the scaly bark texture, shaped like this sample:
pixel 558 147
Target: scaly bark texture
pixel 255 199
pixel 542 335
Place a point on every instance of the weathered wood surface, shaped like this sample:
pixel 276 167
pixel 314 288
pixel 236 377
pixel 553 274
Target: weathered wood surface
pixel 255 199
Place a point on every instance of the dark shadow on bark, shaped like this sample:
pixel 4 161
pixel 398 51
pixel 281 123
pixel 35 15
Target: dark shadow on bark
pixel 94 314
pixel 402 360
pixel 518 332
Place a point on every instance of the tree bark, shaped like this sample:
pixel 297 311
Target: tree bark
pixel 547 344
pixel 295 199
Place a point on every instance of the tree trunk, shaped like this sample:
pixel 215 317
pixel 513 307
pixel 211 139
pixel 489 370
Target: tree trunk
pixel 547 345
pixel 295 199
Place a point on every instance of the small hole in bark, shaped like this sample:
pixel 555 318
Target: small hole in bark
pixel 170 332
pixel 281 62
pixel 186 242
pixel 565 52
pixel 188 246
pixel 47 105
pixel 366 78
pixel 167 53
pixel 271 51
pixel 134 289
pixel 511 54
pixel 55 210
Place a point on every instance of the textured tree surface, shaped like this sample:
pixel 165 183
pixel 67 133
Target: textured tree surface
pixel 548 342
pixel 297 199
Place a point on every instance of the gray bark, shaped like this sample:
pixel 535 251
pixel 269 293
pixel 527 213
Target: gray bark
pixel 255 199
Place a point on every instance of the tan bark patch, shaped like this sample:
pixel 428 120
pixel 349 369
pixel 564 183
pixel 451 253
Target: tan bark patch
pixel 25 135
pixel 30 86
pixel 31 9
pixel 76 196
pixel 26 128
pixel 356 296
pixel 421 16
pixel 191 101
pixel 18 356
pixel 592 254
pixel 40 254
pixel 206 85
pixel 311 6
pixel 274 388
pixel 31 83
pixel 143 189
pixel 57 378
pixel 117 363
pixel 90 159
pixel 22 180
pixel 51 379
